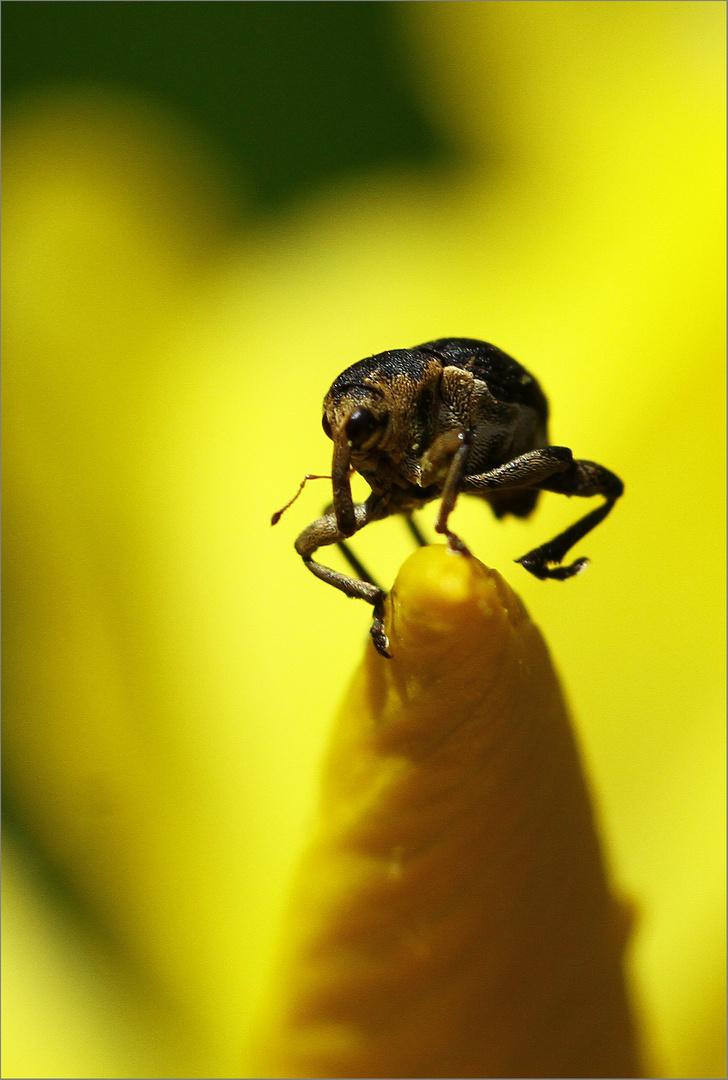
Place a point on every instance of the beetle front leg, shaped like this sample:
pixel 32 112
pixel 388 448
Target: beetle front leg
pixel 355 563
pixel 325 531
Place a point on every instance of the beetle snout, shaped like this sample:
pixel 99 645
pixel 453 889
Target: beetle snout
pixel 343 504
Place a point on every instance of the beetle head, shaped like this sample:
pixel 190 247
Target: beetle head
pixel 380 414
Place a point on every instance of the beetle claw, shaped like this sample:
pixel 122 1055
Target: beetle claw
pixel 379 637
pixel 455 544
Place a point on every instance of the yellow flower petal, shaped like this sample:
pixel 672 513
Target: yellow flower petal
pixel 452 916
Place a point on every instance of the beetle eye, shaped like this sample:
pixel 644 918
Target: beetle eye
pixel 326 425
pixel 360 425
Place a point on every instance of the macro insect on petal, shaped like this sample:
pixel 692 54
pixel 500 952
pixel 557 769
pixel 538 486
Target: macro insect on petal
pixel 450 416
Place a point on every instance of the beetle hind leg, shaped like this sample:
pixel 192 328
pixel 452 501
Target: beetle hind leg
pixel 415 530
pixel 584 478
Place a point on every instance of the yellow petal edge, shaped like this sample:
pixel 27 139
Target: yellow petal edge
pixel 452 915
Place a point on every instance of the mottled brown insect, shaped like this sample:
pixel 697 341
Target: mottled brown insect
pixel 450 416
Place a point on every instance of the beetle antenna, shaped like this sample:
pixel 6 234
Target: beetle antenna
pixel 309 476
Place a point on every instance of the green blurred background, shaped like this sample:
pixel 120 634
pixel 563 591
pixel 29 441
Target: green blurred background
pixel 209 210
pixel 289 95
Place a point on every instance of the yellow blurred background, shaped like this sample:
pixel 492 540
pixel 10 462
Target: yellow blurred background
pixel 170 667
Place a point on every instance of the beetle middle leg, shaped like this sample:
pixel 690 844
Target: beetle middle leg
pixel 525 471
pixel 453 482
pixel 325 531
pixel 414 528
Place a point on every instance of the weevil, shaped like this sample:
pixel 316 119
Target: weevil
pixel 450 416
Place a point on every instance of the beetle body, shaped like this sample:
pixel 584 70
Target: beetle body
pixel 450 416
pixel 417 397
